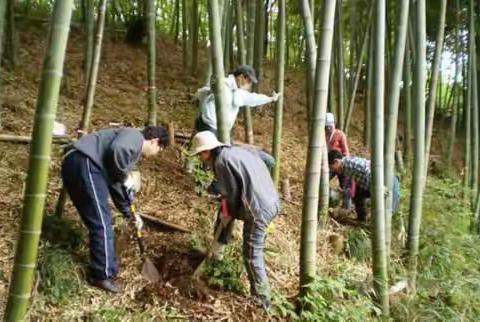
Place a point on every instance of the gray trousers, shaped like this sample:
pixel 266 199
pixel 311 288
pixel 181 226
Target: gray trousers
pixel 254 235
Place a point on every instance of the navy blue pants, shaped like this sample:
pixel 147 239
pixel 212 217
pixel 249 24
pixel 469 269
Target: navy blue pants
pixel 88 189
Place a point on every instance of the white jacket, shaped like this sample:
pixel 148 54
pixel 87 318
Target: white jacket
pixel 235 97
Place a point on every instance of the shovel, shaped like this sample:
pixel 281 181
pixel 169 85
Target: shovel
pixel 149 270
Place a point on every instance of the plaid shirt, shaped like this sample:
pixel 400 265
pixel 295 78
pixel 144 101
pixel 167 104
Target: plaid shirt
pixel 358 169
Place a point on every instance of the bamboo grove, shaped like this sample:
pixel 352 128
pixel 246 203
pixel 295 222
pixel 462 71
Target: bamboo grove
pixel 379 66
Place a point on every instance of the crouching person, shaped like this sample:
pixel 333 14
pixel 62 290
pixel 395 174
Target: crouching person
pixel 358 169
pixel 249 194
pixel 97 167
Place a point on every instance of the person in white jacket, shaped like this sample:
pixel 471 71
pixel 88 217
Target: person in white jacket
pixel 239 85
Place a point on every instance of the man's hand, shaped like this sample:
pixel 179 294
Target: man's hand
pixel 276 96
pixel 138 221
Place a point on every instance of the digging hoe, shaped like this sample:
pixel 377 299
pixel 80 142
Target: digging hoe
pixel 149 270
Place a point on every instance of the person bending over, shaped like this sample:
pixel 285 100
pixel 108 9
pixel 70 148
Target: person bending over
pixel 97 167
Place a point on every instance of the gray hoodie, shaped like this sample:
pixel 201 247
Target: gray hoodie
pixel 245 182
pixel 115 152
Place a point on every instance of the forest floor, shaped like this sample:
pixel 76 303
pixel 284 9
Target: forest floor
pixel 61 292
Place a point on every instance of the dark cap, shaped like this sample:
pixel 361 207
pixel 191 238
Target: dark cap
pixel 156 132
pixel 247 71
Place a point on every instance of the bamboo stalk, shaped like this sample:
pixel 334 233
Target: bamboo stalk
pixel 151 62
pixel 278 122
pixel 434 83
pixel 358 73
pixel 39 163
pixel 416 198
pixel 218 71
pixel 392 116
pixel 93 74
pixel 379 251
pixel 316 147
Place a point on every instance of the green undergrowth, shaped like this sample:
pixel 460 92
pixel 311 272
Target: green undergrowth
pixel 448 285
pixel 226 273
pixel 60 276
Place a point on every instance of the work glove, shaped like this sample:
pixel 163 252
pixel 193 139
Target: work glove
pixel 225 217
pixel 276 96
pixel 129 183
pixel 138 221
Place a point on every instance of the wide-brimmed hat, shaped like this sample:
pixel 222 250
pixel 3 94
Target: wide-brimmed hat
pixel 205 141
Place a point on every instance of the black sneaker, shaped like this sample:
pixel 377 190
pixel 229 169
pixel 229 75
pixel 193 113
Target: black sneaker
pixel 108 285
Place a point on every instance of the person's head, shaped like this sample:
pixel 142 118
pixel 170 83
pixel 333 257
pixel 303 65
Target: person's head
pixel 335 161
pixel 245 77
pixel 204 143
pixel 329 123
pixel 156 139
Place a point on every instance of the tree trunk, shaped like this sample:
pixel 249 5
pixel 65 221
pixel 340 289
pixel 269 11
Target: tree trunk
pixel 184 34
pixel 92 75
pixel 316 147
pixel 433 85
pixel 3 10
pixel 310 54
pixel 332 101
pixel 416 198
pixel 407 92
pixel 259 41
pixel 278 123
pixel 392 115
pixel 226 34
pixel 195 26
pixel 357 77
pixel 250 54
pixel 340 67
pixel 468 123
pixel 175 18
pixel 39 163
pixel 474 104
pixel 369 94
pixel 455 90
pixel 218 70
pixel 89 39
pixel 151 62
pixel 379 251
pixel 242 54
pixel 11 41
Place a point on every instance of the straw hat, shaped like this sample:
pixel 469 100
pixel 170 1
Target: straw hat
pixel 205 141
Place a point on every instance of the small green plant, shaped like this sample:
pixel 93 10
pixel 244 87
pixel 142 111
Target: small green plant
pixel 359 246
pixel 108 313
pixel 59 280
pixel 226 274
pixel 201 176
pixel 334 299
pixel 62 232
pixel 282 308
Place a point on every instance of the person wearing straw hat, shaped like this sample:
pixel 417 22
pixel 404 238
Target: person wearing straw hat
pixel 337 140
pixel 249 194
